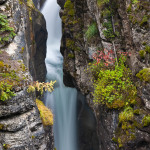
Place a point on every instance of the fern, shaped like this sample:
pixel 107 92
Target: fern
pixel 91 31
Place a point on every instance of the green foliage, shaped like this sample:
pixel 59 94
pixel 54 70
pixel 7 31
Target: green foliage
pixel 6 91
pixel 144 75
pixel 126 115
pixel 108 33
pixel 114 87
pixel 137 112
pixel 91 31
pixel 6 146
pixel 41 87
pixel 70 55
pixel 147 48
pixel 1 126
pixel 144 20
pixel 106 12
pixel 146 121
pixel 9 79
pixel 70 7
pixel 101 3
pixel 129 9
pixel 135 1
pixel 4 27
pixel 142 53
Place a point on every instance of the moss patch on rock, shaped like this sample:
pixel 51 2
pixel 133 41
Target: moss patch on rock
pixel 45 113
pixel 144 75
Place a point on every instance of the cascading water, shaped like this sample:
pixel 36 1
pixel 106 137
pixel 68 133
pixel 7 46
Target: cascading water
pixel 63 100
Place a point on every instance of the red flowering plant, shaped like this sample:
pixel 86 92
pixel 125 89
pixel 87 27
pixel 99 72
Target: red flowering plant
pixel 105 59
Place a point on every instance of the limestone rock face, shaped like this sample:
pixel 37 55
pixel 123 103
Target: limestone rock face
pixel 132 36
pixel 20 124
pixel 21 127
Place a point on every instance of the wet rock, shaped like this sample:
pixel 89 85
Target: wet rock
pixel 132 38
pixel 2 1
pixel 20 124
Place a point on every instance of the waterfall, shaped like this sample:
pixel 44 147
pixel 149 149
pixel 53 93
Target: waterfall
pixel 63 100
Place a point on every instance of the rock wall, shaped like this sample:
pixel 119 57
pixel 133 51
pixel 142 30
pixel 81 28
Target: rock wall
pixel 20 123
pixel 131 24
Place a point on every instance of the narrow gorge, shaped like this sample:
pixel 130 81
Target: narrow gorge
pixel 75 74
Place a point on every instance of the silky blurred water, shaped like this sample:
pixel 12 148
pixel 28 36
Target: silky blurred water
pixel 63 100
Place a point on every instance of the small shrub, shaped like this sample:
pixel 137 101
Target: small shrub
pixel 113 86
pixel 41 87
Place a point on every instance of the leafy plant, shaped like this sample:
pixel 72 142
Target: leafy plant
pixel 114 87
pixel 41 87
pixel 6 91
pixel 91 31
pixel 108 33
pixel 4 27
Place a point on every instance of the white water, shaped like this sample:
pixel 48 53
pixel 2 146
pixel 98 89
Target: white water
pixel 63 100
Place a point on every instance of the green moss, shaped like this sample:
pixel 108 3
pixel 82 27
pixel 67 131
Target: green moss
pixel 114 140
pixel 144 20
pixel 101 3
pixel 147 48
pixel 70 44
pixel 126 115
pixel 45 113
pixel 146 121
pixel 30 4
pixel 33 137
pixel 144 43
pixel 1 126
pixel 114 87
pixel 144 75
pixel 70 55
pixel 142 53
pixel 69 11
pixel 129 9
pixel 137 112
pixel 22 50
pixel 135 1
pixel 6 146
